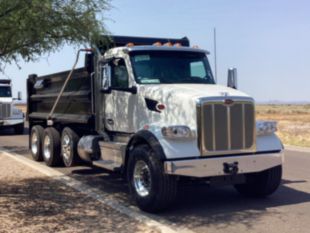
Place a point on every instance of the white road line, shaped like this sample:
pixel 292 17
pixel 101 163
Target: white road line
pixel 132 212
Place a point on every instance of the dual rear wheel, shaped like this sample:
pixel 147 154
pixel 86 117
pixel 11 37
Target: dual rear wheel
pixel 48 145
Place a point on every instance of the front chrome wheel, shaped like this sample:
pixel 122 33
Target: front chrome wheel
pixel 34 143
pixel 47 147
pixel 142 178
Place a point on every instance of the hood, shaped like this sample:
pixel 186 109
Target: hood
pixel 188 91
pixel 180 99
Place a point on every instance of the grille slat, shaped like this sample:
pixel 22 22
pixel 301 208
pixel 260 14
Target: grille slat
pixel 5 111
pixel 226 127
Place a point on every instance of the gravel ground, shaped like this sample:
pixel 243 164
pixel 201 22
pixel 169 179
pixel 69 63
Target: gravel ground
pixel 32 202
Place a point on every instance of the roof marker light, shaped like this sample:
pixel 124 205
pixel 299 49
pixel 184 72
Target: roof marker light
pixel 169 44
pixel 157 44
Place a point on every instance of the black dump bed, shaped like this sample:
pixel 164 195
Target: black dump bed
pixel 74 105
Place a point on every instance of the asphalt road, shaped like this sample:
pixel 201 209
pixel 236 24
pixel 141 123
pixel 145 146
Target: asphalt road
pixel 216 209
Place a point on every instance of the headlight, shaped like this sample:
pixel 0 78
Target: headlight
pixel 266 127
pixel 177 132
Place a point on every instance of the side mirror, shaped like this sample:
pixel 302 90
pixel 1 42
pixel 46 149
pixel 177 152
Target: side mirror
pixel 232 78
pixel 19 95
pixel 106 78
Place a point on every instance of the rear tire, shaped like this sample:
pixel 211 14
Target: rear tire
pixel 69 141
pixel 150 187
pixel 51 147
pixel 36 138
pixel 261 184
pixel 19 128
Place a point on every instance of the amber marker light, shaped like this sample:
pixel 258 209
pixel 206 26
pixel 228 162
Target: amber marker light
pixel 130 44
pixel 157 44
pixel 169 44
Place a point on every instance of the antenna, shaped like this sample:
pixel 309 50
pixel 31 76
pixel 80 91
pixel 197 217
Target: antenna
pixel 215 65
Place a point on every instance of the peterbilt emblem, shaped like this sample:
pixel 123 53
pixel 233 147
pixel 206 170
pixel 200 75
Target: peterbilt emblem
pixel 228 101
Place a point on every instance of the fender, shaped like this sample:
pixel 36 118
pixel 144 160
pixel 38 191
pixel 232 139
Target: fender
pixel 146 137
pixel 143 137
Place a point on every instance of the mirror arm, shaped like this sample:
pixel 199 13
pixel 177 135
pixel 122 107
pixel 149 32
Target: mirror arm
pixel 132 89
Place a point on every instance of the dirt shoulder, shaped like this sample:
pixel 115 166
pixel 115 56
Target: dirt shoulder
pixel 293 122
pixel 33 202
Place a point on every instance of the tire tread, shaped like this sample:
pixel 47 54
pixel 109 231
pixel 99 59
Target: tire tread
pixel 167 189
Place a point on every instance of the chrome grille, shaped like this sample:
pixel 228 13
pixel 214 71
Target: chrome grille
pixel 225 128
pixel 5 110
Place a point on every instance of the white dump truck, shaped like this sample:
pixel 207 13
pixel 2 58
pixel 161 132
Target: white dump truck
pixel 149 108
pixel 10 116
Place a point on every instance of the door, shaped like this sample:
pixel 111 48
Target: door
pixel 119 107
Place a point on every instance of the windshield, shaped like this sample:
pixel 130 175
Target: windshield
pixel 155 67
pixel 5 92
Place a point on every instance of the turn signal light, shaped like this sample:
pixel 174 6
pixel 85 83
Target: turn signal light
pixel 160 107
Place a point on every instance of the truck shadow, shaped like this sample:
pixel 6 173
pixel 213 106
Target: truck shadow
pixel 223 207
pixel 200 205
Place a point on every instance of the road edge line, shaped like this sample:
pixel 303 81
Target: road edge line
pixel 147 219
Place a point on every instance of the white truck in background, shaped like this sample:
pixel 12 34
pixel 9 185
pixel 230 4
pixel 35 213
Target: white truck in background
pixel 10 116
pixel 150 109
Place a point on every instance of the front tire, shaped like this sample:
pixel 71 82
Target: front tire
pixel 261 184
pixel 51 147
pixel 69 141
pixel 36 137
pixel 150 187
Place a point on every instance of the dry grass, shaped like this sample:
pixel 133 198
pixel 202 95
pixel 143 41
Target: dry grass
pixel 293 122
pixel 22 107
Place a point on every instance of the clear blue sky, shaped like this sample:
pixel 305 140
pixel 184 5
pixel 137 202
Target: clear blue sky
pixel 267 40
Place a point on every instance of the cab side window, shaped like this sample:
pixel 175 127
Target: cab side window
pixel 119 74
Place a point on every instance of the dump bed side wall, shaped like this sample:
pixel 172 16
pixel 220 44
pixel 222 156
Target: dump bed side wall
pixel 75 104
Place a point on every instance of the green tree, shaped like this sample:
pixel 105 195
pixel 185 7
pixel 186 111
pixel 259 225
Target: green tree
pixel 30 28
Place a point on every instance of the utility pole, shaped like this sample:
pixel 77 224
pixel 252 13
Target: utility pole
pixel 215 65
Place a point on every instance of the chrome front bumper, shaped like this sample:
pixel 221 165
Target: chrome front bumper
pixel 208 167
pixel 8 122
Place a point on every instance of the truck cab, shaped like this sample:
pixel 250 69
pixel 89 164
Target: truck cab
pixel 10 116
pixel 155 114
